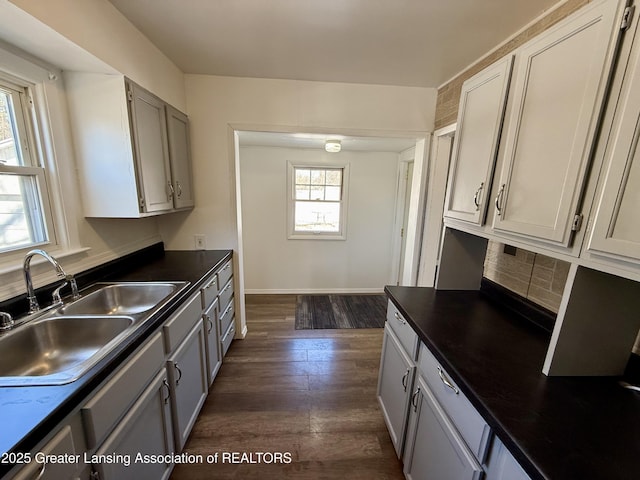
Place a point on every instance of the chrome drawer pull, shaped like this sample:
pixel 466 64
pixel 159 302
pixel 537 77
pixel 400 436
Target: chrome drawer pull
pixel 446 381
pixel 177 367
pixel 166 384
pixel 477 194
pixel 41 472
pixel 414 399
pixel 499 199
pixel 211 283
pixel 399 318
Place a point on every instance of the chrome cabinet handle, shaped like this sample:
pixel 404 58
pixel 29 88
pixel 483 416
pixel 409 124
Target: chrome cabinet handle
pixel 179 373
pixel 446 381
pixel 179 187
pixel 166 384
pixel 399 318
pixel 414 399
pixel 499 199
pixel 405 377
pixel 209 322
pixel 211 283
pixel 40 472
pixel 171 190
pixel 476 195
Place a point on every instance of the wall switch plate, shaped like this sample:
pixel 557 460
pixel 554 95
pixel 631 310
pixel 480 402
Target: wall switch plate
pixel 200 241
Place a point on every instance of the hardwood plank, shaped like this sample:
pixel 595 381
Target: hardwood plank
pixel 309 393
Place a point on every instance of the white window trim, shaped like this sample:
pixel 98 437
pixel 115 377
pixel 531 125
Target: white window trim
pixel 48 138
pixel 344 203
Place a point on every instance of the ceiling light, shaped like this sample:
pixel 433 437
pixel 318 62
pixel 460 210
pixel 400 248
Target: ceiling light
pixel 332 146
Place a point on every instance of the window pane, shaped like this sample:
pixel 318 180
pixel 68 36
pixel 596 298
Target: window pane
pixel 317 193
pixel 303 176
pixel 317 177
pixel 317 217
pixel 9 153
pixel 302 192
pixel 334 177
pixel 21 220
pixel 332 193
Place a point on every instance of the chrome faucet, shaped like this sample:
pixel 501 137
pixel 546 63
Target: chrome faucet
pixel 31 296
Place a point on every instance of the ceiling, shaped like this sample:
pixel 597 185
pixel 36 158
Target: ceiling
pixel 389 42
pixel 317 140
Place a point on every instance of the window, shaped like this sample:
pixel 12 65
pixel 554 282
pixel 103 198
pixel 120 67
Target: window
pixel 318 203
pixel 24 213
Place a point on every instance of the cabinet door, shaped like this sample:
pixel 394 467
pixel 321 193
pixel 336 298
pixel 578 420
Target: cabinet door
pixel 560 79
pixel 480 115
pixel 214 355
pixel 188 380
pixel 61 444
pixel 145 430
pixel 502 465
pixel 394 387
pixel 434 447
pixel 149 126
pixel 180 157
pixel 616 229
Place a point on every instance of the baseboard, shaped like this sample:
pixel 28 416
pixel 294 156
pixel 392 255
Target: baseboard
pixel 312 291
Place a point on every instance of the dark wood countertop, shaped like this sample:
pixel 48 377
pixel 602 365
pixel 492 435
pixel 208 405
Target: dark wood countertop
pixel 28 414
pixel 556 427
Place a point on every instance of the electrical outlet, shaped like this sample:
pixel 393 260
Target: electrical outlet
pixel 200 241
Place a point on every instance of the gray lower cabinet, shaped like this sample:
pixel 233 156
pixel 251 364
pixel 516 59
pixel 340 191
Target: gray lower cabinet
pixel 188 383
pixel 395 383
pixel 144 433
pixel 502 465
pixel 434 448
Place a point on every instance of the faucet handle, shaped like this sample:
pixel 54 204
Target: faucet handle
pixel 74 286
pixel 6 322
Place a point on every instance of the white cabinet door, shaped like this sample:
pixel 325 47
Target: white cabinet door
pixel 149 125
pixel 145 430
pixel 616 229
pixel 559 83
pixel 180 157
pixel 482 102
pixel 188 379
pixel 434 448
pixel 61 444
pixel 394 387
pixel 502 465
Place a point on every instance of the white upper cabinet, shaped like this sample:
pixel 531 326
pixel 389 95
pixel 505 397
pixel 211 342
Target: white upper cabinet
pixel 180 157
pixel 132 148
pixel 480 115
pixel 559 83
pixel 616 228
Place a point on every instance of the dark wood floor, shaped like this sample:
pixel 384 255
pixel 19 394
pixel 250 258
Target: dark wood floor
pixel 311 393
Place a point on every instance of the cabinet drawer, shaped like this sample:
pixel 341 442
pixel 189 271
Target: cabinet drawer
pixel 402 329
pixel 225 273
pixel 101 413
pixel 228 338
pixel 182 322
pixel 225 295
pixel 226 317
pixel 209 291
pixel 468 421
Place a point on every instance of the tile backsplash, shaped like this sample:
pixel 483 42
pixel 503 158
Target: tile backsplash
pixel 536 277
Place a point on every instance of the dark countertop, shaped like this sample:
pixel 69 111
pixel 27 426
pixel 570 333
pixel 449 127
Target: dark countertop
pixel 556 427
pixel 28 414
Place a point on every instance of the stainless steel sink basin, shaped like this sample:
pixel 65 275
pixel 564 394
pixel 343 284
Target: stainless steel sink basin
pixel 122 298
pixel 57 350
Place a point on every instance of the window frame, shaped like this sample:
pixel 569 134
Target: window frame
pixel 292 233
pixel 31 152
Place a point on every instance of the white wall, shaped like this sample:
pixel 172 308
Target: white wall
pixel 274 264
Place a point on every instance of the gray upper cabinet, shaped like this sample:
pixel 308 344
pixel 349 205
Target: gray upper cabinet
pixel 482 104
pixel 559 83
pixel 616 229
pixel 132 148
pixel 148 126
pixel 180 158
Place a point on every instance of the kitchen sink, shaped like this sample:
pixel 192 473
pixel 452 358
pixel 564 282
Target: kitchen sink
pixel 122 298
pixel 59 349
pixel 61 344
